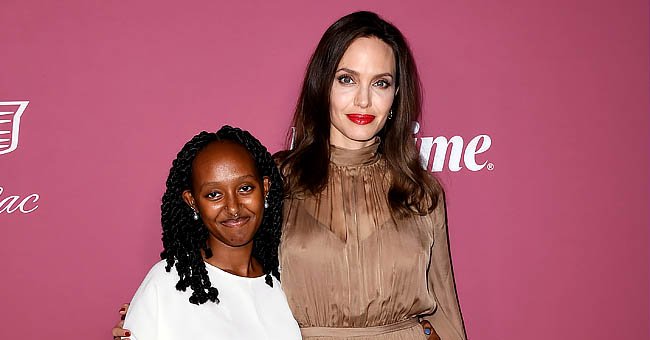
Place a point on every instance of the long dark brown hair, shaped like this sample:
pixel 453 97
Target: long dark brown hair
pixel 306 166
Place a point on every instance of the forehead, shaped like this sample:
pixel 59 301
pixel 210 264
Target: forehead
pixel 369 54
pixel 225 159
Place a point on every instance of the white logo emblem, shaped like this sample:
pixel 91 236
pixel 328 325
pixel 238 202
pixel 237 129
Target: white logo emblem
pixel 10 113
pixel 476 146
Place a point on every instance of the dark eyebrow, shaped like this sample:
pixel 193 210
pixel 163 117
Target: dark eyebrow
pixel 347 70
pixel 245 176
pixel 357 73
pixel 236 179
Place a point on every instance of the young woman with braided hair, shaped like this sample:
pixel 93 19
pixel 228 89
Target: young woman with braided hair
pixel 221 221
pixel 364 252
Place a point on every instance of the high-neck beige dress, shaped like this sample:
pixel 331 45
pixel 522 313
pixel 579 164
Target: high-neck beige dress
pixel 351 270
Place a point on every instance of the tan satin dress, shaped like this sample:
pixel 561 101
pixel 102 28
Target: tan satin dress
pixel 352 271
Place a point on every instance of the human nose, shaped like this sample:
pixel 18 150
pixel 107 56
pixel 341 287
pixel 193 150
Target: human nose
pixel 362 97
pixel 233 205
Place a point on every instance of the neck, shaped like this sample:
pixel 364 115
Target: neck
pixel 235 260
pixel 352 144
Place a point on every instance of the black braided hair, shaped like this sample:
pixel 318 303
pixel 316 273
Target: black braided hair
pixel 183 238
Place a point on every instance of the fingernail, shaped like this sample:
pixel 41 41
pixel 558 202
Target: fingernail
pixel 427 331
pixel 127 333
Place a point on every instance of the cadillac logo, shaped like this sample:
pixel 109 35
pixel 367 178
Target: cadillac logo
pixel 10 113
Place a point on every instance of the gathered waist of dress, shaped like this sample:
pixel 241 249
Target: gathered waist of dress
pixel 357 331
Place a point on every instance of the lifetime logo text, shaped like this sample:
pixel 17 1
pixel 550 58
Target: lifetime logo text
pixel 459 152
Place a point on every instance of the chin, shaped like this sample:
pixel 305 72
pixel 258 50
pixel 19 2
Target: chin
pixel 362 136
pixel 239 243
pixel 350 132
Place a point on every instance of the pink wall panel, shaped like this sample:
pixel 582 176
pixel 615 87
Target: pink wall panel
pixel 549 238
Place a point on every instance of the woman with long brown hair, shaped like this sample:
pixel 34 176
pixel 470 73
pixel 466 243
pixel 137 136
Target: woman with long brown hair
pixel 364 251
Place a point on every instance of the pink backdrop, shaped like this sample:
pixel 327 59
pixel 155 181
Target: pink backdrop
pixel 552 242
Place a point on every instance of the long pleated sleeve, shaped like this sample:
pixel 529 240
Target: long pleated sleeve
pixel 447 319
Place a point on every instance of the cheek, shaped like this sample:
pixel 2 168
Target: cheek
pixel 255 204
pixel 340 98
pixel 384 100
pixel 208 208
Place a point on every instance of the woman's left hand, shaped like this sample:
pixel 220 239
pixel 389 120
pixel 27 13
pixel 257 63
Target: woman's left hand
pixel 429 331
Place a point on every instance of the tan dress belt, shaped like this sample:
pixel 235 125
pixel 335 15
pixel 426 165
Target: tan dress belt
pixel 362 331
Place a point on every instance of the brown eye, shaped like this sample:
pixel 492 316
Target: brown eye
pixel 213 195
pixel 382 83
pixel 345 79
pixel 246 188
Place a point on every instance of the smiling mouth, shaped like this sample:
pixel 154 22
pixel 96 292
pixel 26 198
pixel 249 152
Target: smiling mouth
pixel 235 222
pixel 360 119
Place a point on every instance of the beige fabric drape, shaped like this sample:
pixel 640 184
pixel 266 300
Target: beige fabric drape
pixel 346 262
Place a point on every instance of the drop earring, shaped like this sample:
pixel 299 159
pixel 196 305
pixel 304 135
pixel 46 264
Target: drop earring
pixel 390 114
pixel 195 215
pixel 266 202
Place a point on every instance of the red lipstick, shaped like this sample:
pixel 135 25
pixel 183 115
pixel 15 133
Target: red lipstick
pixel 360 118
